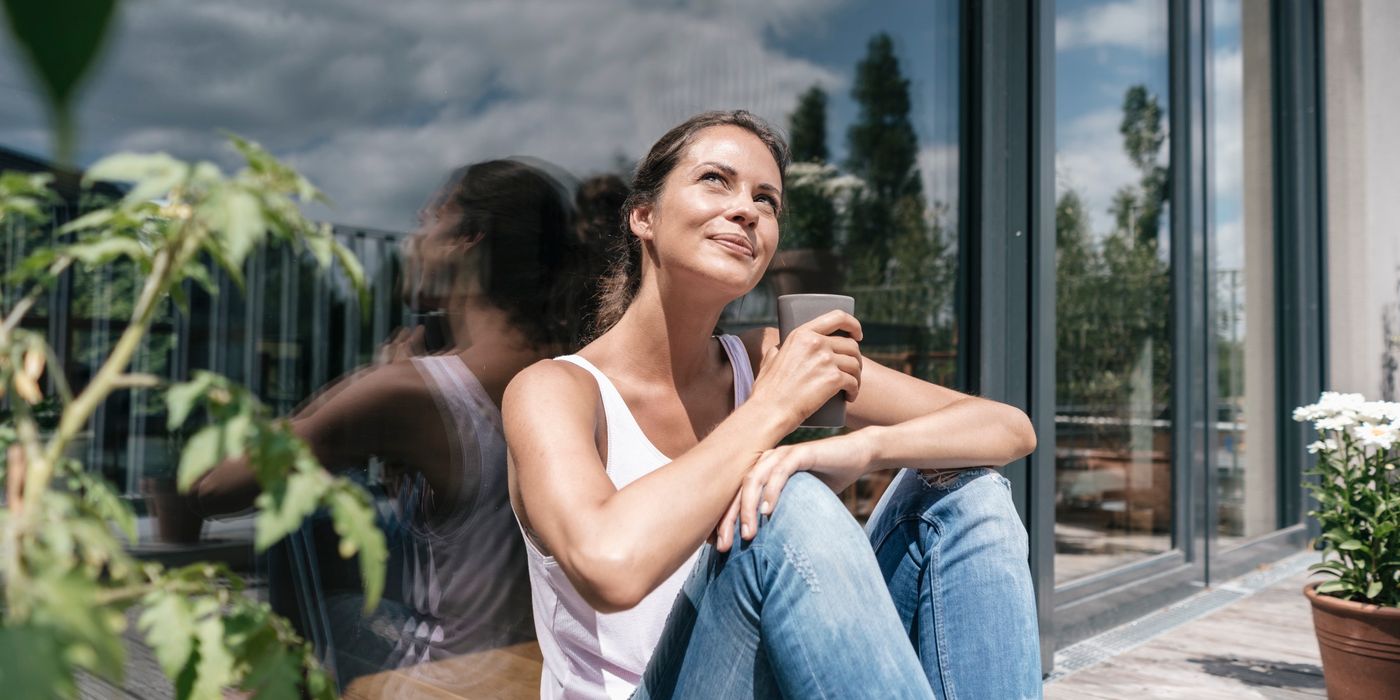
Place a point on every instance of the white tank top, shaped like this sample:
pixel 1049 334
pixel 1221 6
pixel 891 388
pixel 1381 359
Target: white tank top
pixel 464 570
pixel 588 654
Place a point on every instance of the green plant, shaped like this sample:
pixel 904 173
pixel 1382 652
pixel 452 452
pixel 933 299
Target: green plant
pixel 68 584
pixel 1357 495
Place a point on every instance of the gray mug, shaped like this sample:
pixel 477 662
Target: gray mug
pixel 797 309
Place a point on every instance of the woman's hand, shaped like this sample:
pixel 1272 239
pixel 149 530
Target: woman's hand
pixel 810 366
pixel 838 461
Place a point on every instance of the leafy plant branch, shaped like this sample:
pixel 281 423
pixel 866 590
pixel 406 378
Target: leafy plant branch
pixel 67 579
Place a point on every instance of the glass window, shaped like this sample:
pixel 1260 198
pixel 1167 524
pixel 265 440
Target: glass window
pixel 377 109
pixel 1113 496
pixel 1242 207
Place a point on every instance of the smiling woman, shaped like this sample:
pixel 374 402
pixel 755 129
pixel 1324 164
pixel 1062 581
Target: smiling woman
pixel 631 600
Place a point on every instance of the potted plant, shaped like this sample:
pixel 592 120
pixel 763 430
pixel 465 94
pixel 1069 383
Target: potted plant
pixel 1357 497
pixel 807 260
pixel 176 522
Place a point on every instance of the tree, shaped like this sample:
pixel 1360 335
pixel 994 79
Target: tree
pixel 883 152
pixel 809 214
pixel 808 127
pixel 1113 293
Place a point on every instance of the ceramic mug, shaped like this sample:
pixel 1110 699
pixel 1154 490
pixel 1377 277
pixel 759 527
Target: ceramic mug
pixel 797 309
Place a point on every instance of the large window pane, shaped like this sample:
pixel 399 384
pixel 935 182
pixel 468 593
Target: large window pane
pixel 1243 256
pixel 375 106
pixel 1113 498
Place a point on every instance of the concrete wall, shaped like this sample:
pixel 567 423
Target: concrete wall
pixel 1363 195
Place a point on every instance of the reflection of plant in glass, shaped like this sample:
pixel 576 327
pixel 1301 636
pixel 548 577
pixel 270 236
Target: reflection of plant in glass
pixel 1357 492
pixel 67 581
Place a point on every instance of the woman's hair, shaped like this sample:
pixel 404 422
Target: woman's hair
pixel 532 264
pixel 619 286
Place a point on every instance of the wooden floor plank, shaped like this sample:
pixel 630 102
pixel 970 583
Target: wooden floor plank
pixel 1260 647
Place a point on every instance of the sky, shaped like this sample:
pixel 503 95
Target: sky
pixel 375 102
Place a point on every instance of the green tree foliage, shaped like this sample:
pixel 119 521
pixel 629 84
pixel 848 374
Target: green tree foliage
pixel 883 151
pixel 807 127
pixel 1114 291
pixel 68 582
pixel 809 209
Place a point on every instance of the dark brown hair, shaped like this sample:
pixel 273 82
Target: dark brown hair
pixel 532 262
pixel 619 286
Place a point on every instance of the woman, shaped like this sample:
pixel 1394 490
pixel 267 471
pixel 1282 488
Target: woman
pixel 657 435
pixel 497 257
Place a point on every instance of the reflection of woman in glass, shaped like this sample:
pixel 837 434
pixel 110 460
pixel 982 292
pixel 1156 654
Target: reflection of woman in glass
pixel 497 254
pixel 627 456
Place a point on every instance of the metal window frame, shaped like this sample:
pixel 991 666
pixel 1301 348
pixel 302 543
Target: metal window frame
pixel 1007 290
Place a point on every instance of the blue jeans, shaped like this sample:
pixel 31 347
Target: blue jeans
pixel 800 611
pixel 955 559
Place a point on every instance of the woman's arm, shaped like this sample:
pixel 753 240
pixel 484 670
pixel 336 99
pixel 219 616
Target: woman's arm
pixel 385 411
pixel 899 421
pixel 616 546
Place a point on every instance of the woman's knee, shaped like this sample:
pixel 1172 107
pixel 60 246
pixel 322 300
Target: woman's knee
pixel 807 508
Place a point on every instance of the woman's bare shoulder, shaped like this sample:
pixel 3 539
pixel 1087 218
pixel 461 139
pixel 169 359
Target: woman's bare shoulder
pixel 557 384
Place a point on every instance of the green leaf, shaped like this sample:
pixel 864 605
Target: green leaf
pixel 1335 586
pixel 180 398
pixel 60 41
pixel 275 676
pixel 237 219
pixel 1374 590
pixel 168 622
pixel 91 633
pixel 152 175
pixel 35 666
pixel 284 506
pixel 214 668
pixel 104 502
pixel 353 517
pixel 354 272
pixel 1353 545
pixel 210 445
pixel 92 219
pixel 105 250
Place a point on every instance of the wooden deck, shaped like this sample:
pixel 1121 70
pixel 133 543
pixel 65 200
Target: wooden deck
pixel 1259 647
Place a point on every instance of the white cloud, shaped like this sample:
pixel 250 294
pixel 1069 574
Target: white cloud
pixel 938 165
pixel 1091 161
pixel 1128 24
pixel 376 103
pixel 1227 72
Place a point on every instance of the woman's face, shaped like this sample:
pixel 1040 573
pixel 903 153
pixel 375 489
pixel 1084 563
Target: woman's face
pixel 433 255
pixel 716 220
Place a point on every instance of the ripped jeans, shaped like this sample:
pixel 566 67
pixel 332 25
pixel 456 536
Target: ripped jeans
pixel 802 611
pixel 954 556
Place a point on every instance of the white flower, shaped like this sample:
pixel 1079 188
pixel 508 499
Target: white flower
pixel 1327 445
pixel 1333 401
pixel 1382 436
pixel 1379 411
pixel 1340 421
pixel 1303 414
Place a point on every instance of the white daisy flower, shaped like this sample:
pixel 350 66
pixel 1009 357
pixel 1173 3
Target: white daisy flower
pixel 1340 421
pixel 1327 445
pixel 1382 436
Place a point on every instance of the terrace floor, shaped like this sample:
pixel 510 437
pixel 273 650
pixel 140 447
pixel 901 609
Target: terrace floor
pixel 1258 645
pixel 1247 638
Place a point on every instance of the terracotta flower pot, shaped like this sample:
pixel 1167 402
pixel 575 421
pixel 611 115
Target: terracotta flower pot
pixel 805 271
pixel 1360 645
pixel 176 522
